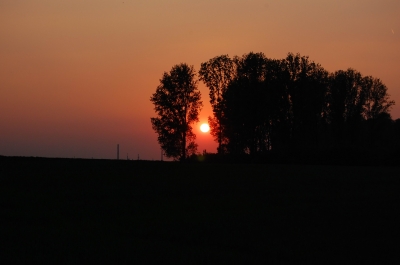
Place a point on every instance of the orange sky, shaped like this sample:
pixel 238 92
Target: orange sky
pixel 76 76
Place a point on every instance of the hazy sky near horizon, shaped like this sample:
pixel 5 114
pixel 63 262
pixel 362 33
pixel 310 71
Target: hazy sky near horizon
pixel 76 76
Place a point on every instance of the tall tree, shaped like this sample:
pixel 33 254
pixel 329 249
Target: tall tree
pixel 177 104
pixel 347 98
pixel 308 89
pixel 377 100
pixel 376 112
pixel 245 112
pixel 217 73
pixel 277 104
pixel 251 71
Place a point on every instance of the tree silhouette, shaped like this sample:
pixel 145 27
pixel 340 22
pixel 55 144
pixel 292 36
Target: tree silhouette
pixel 251 96
pixel 376 108
pixel 307 88
pixel 276 102
pixel 251 103
pixel 238 106
pixel 217 74
pixel 351 101
pixel 290 107
pixel 272 104
pixel 348 97
pixel 177 104
pixel 377 101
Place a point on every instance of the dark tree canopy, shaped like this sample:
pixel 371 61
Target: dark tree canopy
pixel 272 103
pixel 377 99
pixel 177 104
pixel 217 74
pixel 307 89
pixel 263 104
pixel 352 100
pixel 246 114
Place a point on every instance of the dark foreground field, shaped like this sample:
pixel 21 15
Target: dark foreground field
pixel 136 212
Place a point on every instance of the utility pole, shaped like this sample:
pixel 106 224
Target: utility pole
pixel 117 151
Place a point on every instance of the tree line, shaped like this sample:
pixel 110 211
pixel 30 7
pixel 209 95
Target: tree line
pixel 262 105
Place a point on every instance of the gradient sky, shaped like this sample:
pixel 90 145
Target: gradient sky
pixel 76 76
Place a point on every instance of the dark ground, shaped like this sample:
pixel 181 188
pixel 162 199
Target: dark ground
pixel 67 211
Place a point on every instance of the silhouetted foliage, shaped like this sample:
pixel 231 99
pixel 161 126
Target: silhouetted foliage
pixel 347 98
pixel 273 103
pixel 275 108
pixel 245 118
pixel 177 104
pixel 307 89
pixel 217 74
pixel 377 101
pixel 264 105
pixel 353 100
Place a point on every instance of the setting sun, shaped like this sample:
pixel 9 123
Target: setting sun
pixel 204 127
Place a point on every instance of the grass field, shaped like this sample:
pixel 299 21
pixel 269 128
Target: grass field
pixel 140 212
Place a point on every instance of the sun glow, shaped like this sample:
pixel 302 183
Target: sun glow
pixel 204 127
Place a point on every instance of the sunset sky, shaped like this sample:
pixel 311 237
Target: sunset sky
pixel 76 76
